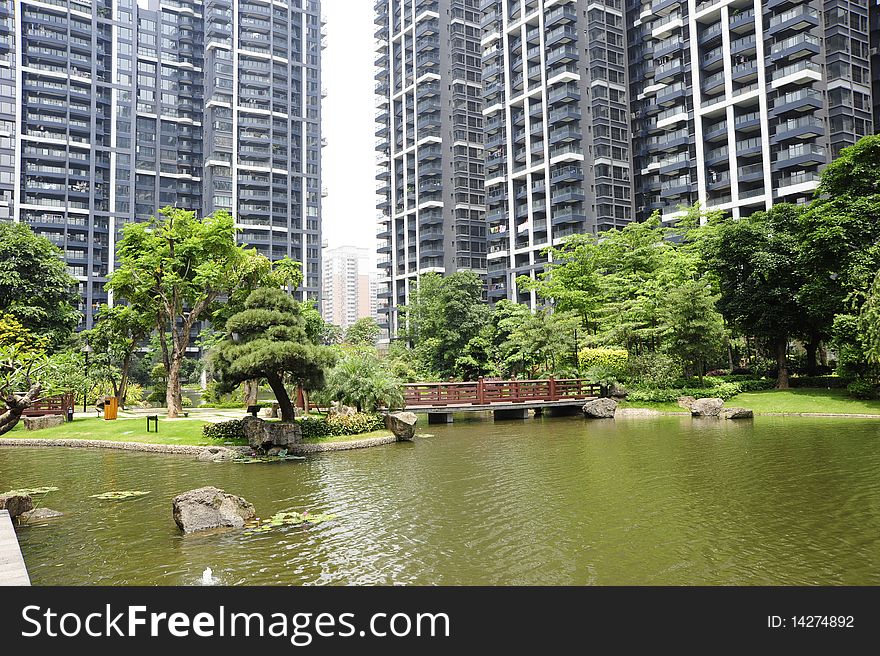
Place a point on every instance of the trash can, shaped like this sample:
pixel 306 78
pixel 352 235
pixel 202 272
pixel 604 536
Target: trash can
pixel 111 408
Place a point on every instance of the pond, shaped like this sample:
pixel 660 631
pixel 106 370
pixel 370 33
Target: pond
pixel 557 501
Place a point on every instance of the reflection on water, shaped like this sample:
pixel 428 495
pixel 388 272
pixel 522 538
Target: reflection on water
pixel 669 500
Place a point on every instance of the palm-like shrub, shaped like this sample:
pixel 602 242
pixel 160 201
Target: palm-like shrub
pixel 363 381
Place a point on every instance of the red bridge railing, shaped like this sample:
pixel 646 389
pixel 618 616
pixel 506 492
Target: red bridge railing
pixel 56 405
pixel 487 392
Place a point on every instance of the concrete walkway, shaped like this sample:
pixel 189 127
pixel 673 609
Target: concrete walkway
pixel 12 569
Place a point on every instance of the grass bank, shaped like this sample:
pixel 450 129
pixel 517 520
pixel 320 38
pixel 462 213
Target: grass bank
pixel 793 401
pixel 183 432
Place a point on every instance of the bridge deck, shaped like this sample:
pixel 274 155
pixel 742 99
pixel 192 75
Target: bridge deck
pixel 12 568
pixel 498 395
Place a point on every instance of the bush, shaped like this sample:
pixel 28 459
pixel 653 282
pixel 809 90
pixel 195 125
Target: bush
pixel 721 389
pixel 862 389
pixel 337 425
pixel 826 382
pixel 605 359
pixel 226 431
pixel 656 370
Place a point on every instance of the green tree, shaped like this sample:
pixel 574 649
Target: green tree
pixel 28 374
pixel 543 339
pixel 35 286
pixel 756 261
pixel 840 248
pixel 443 315
pixel 114 340
pixel 694 328
pixel 869 324
pixel 176 268
pixel 268 339
pixel 363 332
pixel 360 379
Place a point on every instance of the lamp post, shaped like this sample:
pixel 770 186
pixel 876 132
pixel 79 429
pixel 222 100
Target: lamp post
pixel 86 349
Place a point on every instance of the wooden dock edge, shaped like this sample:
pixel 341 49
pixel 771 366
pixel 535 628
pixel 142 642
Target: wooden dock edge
pixel 12 567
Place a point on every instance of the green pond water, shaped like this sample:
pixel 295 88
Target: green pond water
pixel 666 500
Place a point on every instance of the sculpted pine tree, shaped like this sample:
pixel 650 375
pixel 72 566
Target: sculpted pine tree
pixel 269 339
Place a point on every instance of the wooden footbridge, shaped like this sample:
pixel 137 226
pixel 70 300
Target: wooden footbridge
pixel 507 399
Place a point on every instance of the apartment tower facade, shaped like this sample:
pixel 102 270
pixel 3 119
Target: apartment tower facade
pixel 556 116
pixel 112 109
pixel 429 145
pixel 349 285
pixel 738 104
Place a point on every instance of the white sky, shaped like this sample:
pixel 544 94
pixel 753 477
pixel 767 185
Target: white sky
pixel 349 160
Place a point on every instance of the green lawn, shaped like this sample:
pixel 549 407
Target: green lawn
pixel 832 401
pixel 794 401
pixel 178 431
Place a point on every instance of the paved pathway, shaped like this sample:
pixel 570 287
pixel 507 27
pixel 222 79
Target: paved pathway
pixel 12 569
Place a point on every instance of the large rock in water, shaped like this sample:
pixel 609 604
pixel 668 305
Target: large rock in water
pixel 737 413
pixel 268 434
pixel 16 504
pixel 208 508
pixel 600 409
pixel 402 424
pixel 40 423
pixel 40 514
pixel 707 407
pixel 216 454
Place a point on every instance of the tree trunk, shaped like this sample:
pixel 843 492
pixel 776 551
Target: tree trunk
pixel 782 362
pixel 251 392
pixel 173 397
pixel 123 380
pixel 812 348
pixel 288 412
pixel 15 407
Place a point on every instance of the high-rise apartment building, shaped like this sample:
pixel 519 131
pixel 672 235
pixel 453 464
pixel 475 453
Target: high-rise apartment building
pixel 738 104
pixel 111 109
pixel 430 144
pixel 349 285
pixel 556 118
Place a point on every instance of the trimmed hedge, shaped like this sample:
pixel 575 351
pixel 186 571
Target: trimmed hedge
pixel 604 358
pixel 226 431
pixel 337 425
pixel 826 382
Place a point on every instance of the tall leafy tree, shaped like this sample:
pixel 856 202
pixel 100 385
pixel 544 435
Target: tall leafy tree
pixel 269 339
pixel 756 261
pixel 363 332
pixel 443 315
pixel 114 339
pixel 35 286
pixel 175 268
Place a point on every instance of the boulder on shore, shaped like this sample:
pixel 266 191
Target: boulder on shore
pixel 216 454
pixel 707 407
pixel 600 409
pixel 208 508
pixel 402 424
pixel 268 434
pixel 342 410
pixel 40 514
pixel 686 402
pixel 737 413
pixel 41 423
pixel 16 504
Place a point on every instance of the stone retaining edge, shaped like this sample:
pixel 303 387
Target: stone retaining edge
pixel 306 449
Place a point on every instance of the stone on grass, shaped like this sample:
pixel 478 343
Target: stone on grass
pixel 402 424
pixel 41 423
pixel 16 504
pixel 737 413
pixel 265 435
pixel 342 410
pixel 707 407
pixel 39 515
pixel 600 409
pixel 209 508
